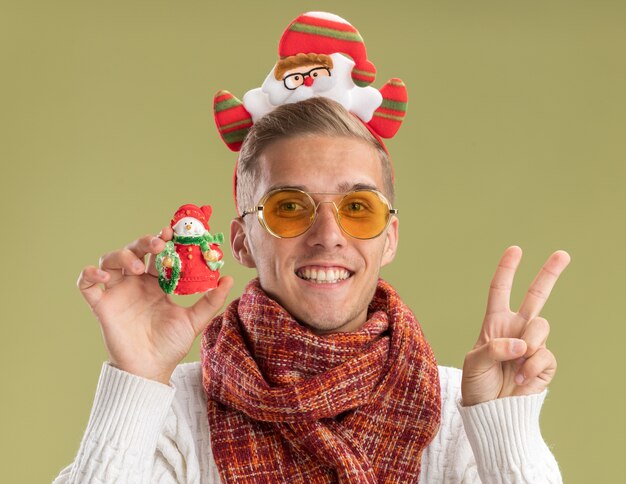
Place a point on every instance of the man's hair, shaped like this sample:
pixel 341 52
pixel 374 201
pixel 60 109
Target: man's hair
pixel 317 116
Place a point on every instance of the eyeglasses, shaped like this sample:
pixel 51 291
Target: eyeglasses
pixel 289 212
pixel 295 80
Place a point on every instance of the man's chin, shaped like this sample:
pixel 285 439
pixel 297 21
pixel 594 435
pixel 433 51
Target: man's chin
pixel 329 319
pixel 332 327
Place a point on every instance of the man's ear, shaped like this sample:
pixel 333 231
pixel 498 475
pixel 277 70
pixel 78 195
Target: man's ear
pixel 239 243
pixel 391 242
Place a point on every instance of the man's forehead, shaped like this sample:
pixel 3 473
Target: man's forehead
pixel 319 164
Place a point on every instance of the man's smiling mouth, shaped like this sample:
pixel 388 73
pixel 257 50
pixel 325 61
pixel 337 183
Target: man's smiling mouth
pixel 323 275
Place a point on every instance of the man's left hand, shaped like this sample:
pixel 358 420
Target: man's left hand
pixel 510 357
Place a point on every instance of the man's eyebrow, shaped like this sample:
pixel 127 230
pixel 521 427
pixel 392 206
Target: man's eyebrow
pixel 347 187
pixel 283 187
pixel 342 187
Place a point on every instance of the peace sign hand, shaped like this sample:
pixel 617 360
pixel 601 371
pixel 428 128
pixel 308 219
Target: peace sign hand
pixel 510 357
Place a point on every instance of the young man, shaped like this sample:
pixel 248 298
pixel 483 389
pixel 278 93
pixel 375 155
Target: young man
pixel 318 372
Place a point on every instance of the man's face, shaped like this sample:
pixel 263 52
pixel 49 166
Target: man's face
pixel 317 164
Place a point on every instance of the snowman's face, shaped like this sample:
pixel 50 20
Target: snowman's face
pixel 189 226
pixel 309 80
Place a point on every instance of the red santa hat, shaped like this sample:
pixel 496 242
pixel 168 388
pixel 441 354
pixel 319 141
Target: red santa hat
pixel 190 210
pixel 326 33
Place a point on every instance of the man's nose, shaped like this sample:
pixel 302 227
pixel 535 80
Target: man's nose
pixel 325 230
pixel 308 81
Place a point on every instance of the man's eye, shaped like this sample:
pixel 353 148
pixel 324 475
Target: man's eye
pixel 355 207
pixel 289 207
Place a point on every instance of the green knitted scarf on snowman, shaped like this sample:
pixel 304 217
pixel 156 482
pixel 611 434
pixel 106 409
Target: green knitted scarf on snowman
pixel 203 240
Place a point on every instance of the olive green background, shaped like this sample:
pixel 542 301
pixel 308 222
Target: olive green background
pixel 514 135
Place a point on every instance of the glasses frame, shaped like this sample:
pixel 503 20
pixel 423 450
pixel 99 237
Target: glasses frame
pixel 258 209
pixel 304 76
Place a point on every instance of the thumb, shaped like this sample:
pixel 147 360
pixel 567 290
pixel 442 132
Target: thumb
pixel 205 308
pixel 496 350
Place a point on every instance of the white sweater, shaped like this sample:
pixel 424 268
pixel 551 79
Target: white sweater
pixel 142 431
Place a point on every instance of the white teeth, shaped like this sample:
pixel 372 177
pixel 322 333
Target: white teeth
pixel 323 276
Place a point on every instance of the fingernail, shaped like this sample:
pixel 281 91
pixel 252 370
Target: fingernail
pixel 519 378
pixel 516 346
pixel 101 273
pixel 137 265
pixel 154 240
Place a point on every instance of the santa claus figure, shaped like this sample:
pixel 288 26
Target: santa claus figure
pixel 320 54
pixel 191 261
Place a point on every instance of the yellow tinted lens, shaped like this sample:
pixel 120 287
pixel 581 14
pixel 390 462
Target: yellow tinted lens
pixel 288 213
pixel 363 214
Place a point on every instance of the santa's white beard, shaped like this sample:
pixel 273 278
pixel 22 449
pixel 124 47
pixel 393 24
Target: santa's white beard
pixel 339 86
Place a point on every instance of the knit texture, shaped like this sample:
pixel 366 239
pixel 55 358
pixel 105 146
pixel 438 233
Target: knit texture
pixel 170 442
pixel 287 405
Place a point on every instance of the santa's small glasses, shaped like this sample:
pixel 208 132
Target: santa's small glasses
pixel 289 212
pixel 296 79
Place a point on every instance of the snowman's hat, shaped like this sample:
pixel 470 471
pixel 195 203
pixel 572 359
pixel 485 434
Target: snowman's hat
pixel 202 214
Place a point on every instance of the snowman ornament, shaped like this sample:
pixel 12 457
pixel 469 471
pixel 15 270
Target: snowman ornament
pixel 191 261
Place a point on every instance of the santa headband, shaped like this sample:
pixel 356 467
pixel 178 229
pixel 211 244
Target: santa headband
pixel 320 54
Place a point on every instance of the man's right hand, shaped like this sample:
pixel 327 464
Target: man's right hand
pixel 144 331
